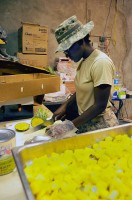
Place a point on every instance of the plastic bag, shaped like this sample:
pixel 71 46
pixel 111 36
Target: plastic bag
pixel 3 54
pixel 3 34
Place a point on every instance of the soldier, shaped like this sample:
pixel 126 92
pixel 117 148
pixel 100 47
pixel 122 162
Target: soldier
pixel 93 81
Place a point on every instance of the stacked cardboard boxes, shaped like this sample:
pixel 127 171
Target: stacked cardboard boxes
pixel 17 91
pixel 33 45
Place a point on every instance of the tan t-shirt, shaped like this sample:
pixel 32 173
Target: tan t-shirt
pixel 97 69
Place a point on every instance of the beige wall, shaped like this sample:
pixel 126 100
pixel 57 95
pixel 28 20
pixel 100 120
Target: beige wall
pixel 53 12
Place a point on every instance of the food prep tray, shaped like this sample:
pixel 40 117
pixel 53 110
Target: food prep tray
pixel 25 154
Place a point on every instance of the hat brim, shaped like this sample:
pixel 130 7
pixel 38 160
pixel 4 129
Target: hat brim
pixel 76 37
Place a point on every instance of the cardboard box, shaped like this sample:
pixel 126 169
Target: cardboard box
pixel 33 60
pixel 24 85
pixel 70 87
pixel 33 38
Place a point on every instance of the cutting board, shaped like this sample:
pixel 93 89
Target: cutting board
pixel 21 137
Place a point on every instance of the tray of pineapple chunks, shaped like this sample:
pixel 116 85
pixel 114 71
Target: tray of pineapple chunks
pixel 88 166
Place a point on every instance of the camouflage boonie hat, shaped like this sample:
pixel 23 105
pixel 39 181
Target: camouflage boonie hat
pixel 71 31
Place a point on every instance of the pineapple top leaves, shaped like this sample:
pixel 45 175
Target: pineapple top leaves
pixel 41 114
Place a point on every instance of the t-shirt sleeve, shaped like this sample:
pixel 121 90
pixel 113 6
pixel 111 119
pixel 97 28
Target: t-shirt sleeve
pixel 102 72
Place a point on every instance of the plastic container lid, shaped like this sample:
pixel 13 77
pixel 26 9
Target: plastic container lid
pixel 6 135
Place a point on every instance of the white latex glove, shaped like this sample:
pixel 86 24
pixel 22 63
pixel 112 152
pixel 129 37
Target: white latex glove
pixel 59 130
